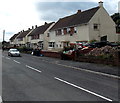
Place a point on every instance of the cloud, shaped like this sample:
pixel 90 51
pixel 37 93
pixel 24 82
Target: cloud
pixel 52 11
pixel 16 15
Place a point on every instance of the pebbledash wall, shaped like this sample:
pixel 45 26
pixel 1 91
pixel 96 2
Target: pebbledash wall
pixel 106 26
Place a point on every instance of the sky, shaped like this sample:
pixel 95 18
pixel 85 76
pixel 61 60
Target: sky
pixel 18 15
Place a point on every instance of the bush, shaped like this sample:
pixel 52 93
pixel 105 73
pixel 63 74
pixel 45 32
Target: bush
pixel 25 49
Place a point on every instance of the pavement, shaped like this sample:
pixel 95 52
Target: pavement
pixel 31 78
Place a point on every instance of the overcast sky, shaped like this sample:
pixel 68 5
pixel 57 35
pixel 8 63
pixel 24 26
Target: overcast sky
pixel 16 15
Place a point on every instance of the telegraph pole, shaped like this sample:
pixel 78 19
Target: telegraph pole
pixel 3 40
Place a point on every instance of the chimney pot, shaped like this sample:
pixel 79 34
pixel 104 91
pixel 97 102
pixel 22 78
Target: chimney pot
pixel 79 11
pixel 35 26
pixel 100 4
pixel 32 27
pixel 45 23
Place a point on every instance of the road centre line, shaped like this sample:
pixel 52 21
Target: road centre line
pixel 33 68
pixel 16 61
pixel 88 91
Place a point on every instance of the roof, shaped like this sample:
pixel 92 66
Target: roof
pixel 76 19
pixel 23 33
pixel 40 29
pixel 14 36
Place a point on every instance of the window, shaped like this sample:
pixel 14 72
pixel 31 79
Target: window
pixel 58 32
pixel 20 39
pixel 95 27
pixel 68 30
pixel 52 44
pixel 35 36
pixel 66 44
pixel 65 31
pixel 75 30
pixel 72 30
pixel 48 34
pixel 60 45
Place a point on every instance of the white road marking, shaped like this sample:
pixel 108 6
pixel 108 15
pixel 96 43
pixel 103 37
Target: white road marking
pixel 99 73
pixel 33 68
pixel 7 58
pixel 16 61
pixel 90 71
pixel 88 91
pixel 0 99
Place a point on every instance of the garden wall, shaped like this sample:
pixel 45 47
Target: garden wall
pixel 114 62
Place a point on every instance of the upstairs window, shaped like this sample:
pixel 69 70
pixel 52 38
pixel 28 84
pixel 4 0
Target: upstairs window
pixel 48 34
pixel 20 39
pixel 35 36
pixel 58 32
pixel 72 30
pixel 65 31
pixel 95 26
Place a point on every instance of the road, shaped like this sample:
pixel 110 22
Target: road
pixel 31 78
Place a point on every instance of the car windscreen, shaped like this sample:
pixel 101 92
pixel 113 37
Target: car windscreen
pixel 14 50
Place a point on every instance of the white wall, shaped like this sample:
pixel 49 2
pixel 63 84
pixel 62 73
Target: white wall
pixel 81 35
pixel 106 27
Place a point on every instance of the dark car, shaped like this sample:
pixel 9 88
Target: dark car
pixel 37 52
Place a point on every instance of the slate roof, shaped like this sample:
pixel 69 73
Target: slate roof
pixel 23 33
pixel 76 19
pixel 40 29
pixel 14 36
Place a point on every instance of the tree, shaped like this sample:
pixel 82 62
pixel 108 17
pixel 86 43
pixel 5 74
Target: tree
pixel 116 19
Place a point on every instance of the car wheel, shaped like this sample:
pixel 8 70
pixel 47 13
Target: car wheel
pixel 11 55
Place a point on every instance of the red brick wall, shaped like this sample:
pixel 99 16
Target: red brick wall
pixel 51 54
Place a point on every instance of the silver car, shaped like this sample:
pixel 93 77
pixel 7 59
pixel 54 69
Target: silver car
pixel 14 52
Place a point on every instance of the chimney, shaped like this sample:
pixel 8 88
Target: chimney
pixel 28 28
pixel 35 26
pixel 32 27
pixel 79 11
pixel 45 23
pixel 100 4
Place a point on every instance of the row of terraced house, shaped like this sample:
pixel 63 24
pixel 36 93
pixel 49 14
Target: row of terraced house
pixel 83 26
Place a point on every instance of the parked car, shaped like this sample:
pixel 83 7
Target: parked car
pixel 13 52
pixel 101 44
pixel 37 52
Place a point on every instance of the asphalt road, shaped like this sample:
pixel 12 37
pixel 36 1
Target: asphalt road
pixel 31 78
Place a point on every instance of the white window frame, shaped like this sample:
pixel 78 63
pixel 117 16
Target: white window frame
pixel 52 45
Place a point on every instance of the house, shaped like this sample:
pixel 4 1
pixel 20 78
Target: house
pixel 117 37
pixel 13 39
pixel 39 37
pixel 84 26
pixel 22 38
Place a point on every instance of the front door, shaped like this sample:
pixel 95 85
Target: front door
pixel 104 38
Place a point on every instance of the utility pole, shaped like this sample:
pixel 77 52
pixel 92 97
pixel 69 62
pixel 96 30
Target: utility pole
pixel 3 40
pixel 3 35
